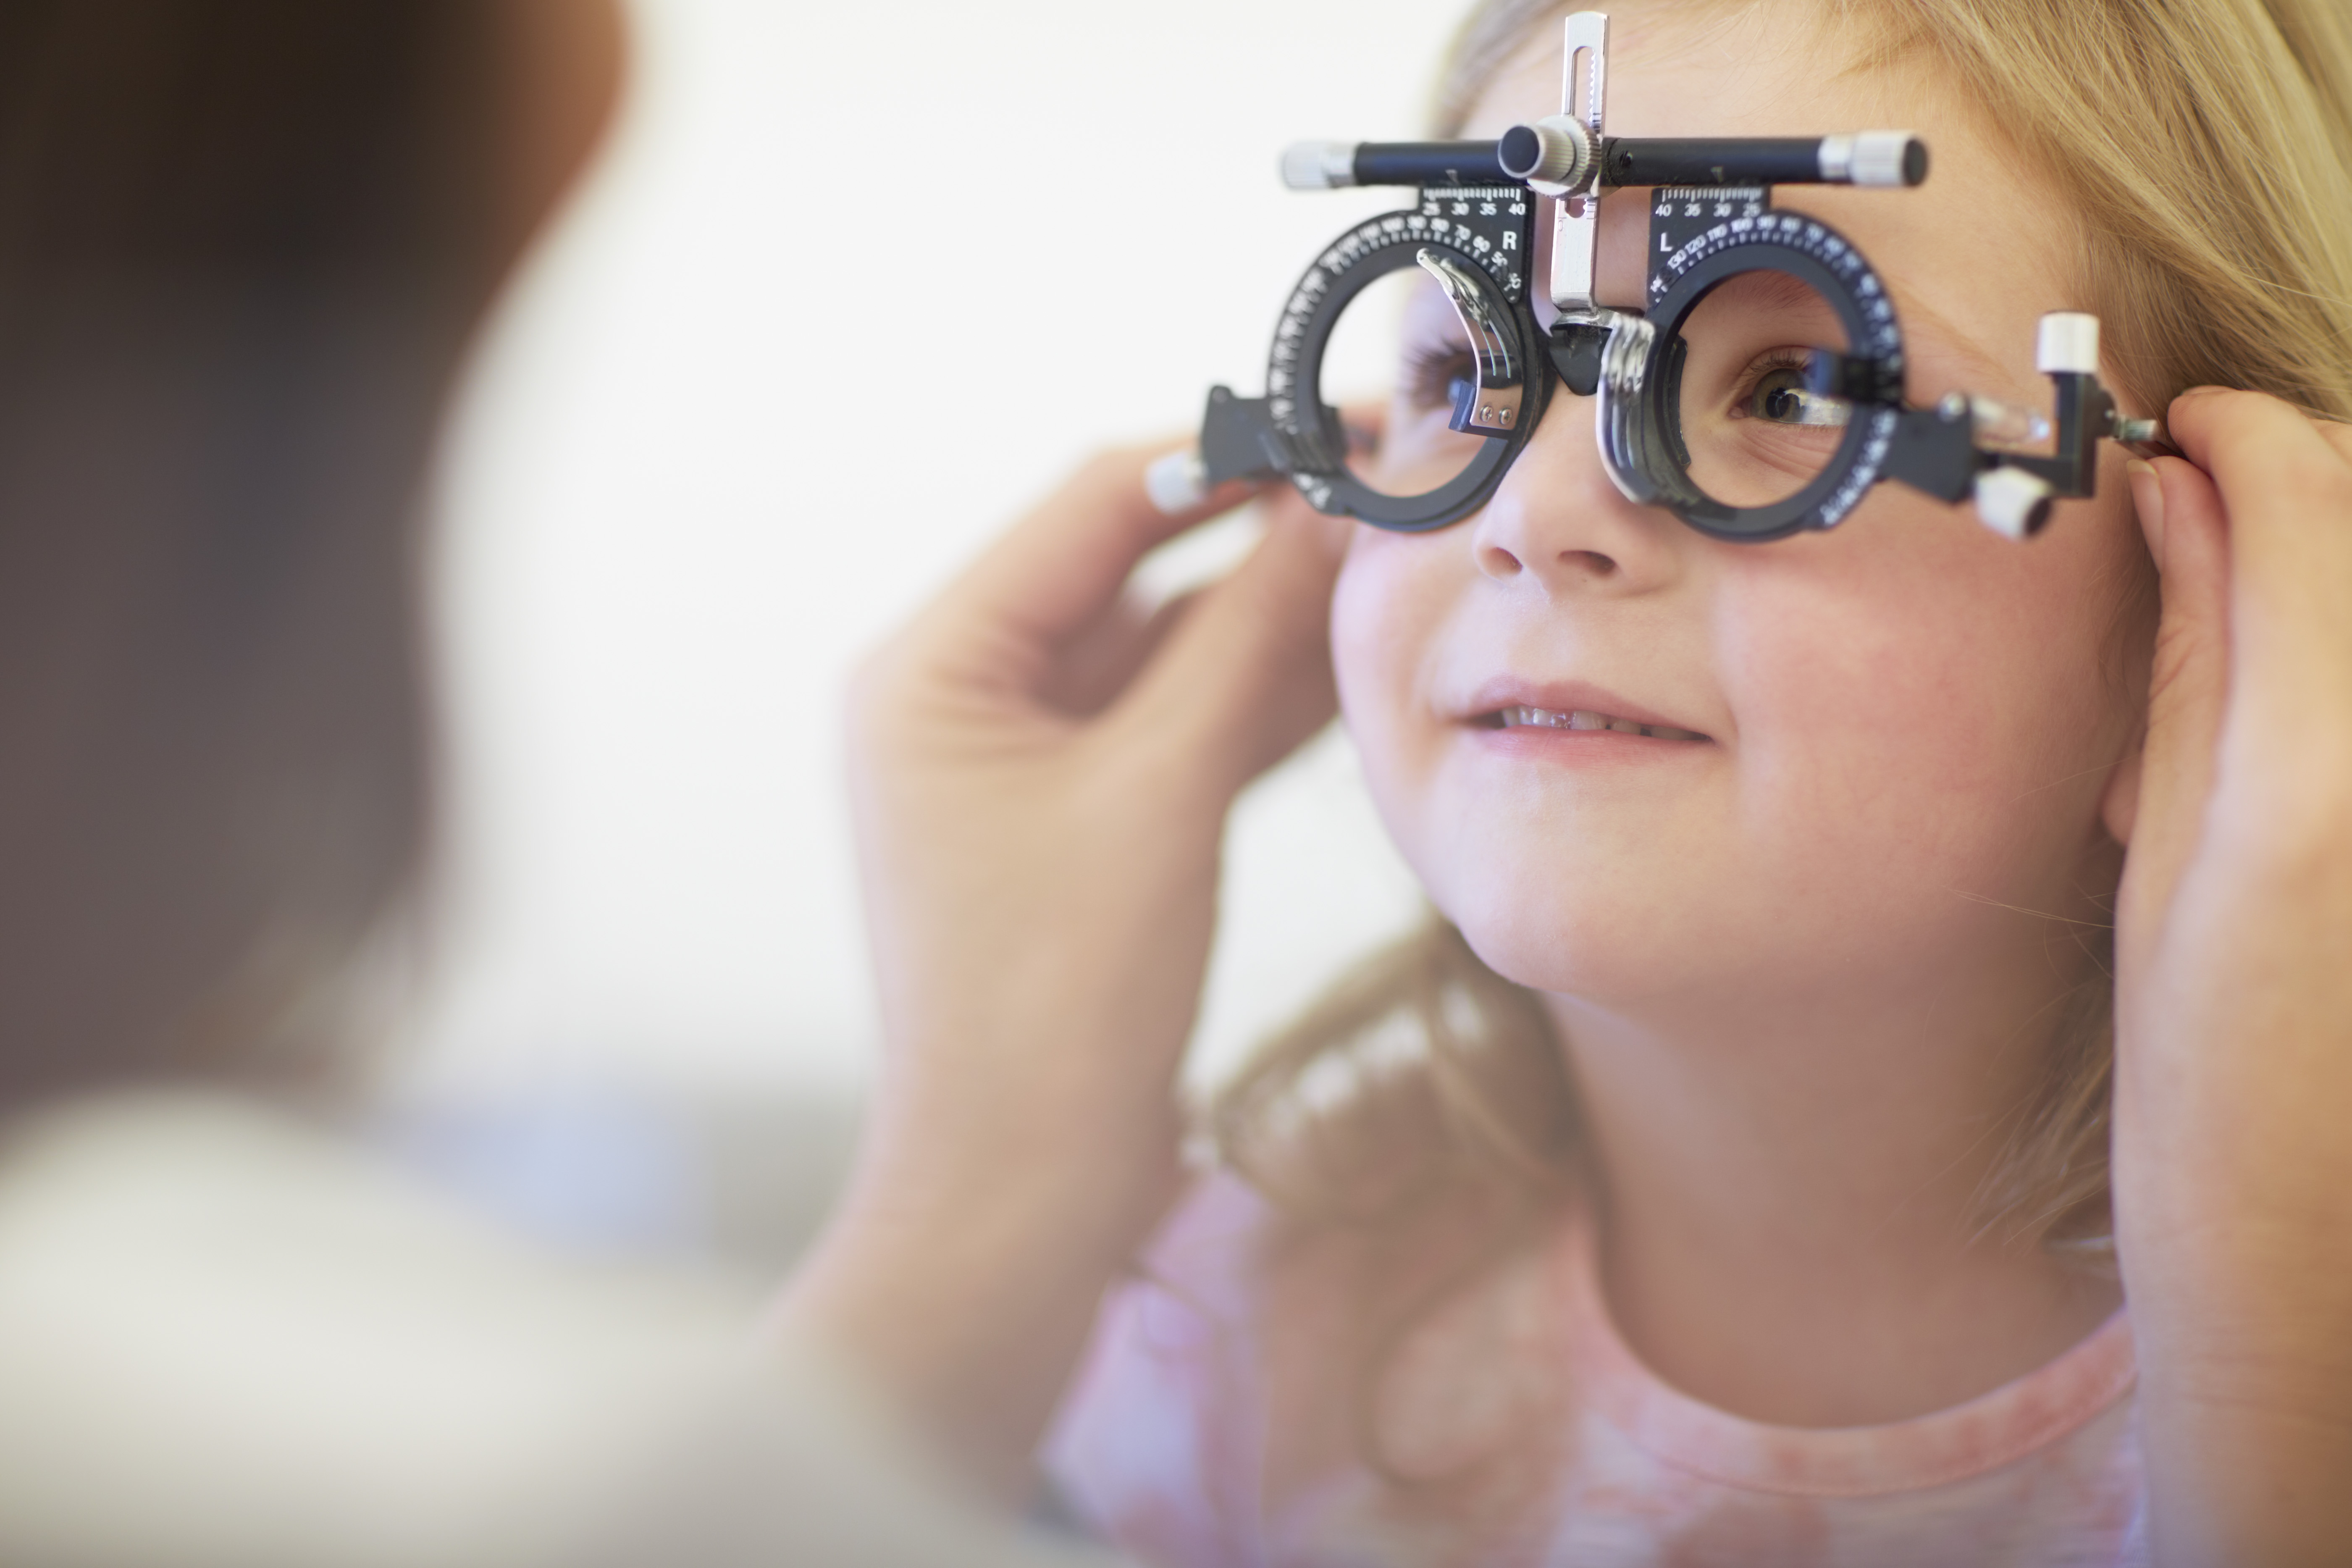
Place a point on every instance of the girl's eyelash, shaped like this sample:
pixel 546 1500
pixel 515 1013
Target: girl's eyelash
pixel 1432 369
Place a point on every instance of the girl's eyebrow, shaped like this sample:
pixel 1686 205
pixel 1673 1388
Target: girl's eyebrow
pixel 1774 290
pixel 1767 290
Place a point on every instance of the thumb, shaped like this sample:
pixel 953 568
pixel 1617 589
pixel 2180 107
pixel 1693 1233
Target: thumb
pixel 1247 675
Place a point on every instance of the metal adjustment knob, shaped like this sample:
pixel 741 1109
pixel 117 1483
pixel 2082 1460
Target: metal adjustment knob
pixel 1554 155
pixel 1318 165
pixel 2013 502
pixel 1889 160
pixel 2067 344
pixel 1177 483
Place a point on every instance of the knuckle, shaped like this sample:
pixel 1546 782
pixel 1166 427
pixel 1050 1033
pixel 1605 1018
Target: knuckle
pixel 874 701
pixel 873 678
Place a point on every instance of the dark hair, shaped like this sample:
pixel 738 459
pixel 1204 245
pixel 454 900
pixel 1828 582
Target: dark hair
pixel 242 243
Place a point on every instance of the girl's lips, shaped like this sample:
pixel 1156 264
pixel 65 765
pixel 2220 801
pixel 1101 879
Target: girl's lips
pixel 1568 708
pixel 1584 722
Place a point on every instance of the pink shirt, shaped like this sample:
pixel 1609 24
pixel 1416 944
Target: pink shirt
pixel 1161 1447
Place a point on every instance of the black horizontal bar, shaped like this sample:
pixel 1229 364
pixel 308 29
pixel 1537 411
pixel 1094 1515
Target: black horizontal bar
pixel 1429 164
pixel 1711 161
pixel 1625 161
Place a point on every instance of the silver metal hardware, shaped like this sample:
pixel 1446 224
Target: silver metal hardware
pixel 1318 165
pixel 1576 212
pixel 2005 424
pixel 1866 158
pixel 1566 153
pixel 1501 378
pixel 1616 405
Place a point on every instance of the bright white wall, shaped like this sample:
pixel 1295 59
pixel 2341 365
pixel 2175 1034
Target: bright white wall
pixel 853 284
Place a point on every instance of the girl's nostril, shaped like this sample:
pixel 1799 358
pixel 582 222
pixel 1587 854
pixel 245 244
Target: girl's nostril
pixel 1496 562
pixel 1592 561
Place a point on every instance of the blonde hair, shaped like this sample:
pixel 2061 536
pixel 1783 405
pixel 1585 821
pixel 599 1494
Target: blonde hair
pixel 2206 146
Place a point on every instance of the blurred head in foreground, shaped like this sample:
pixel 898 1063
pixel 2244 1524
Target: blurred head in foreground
pixel 243 245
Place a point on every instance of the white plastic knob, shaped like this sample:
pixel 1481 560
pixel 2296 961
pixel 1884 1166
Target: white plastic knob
pixel 2068 343
pixel 2013 502
pixel 1318 165
pixel 1177 483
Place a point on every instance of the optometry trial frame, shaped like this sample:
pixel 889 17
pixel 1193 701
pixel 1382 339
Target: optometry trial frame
pixel 1711 221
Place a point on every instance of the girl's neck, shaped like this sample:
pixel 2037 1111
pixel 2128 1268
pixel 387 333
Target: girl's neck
pixel 1789 1196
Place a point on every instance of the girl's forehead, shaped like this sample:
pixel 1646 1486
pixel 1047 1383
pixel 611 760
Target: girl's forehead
pixel 1707 69
pixel 1973 258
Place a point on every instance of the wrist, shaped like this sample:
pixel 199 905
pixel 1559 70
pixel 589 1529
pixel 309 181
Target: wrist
pixel 962 1284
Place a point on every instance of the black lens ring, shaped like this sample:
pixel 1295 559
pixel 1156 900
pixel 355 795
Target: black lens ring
pixel 1818 255
pixel 1295 377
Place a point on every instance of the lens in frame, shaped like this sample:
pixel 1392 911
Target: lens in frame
pixel 1750 432
pixel 1395 362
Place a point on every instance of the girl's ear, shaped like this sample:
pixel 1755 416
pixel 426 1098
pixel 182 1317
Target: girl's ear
pixel 2120 803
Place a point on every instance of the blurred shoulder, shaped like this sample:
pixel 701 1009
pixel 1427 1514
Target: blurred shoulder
pixel 227 1336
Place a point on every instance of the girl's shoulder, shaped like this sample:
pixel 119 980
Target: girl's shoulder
pixel 288 1352
pixel 1251 1362
pixel 1155 1447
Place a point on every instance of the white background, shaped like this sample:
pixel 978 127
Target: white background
pixel 851 286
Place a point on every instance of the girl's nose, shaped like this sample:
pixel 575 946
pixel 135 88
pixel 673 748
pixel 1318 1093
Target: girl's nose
pixel 1559 523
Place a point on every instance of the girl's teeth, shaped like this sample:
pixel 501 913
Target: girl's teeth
pixel 1545 719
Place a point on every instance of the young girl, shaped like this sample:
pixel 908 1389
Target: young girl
pixel 1756 1163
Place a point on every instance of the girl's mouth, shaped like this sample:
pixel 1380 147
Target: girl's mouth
pixel 1582 718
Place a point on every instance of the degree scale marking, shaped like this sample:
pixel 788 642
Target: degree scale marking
pixel 1790 232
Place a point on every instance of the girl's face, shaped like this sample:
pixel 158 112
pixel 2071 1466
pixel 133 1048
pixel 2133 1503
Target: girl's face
pixel 1904 726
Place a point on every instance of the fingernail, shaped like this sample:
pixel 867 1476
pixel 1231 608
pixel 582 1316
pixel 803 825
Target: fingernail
pixel 2148 496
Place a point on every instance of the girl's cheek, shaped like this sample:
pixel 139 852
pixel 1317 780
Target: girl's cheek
pixel 1937 701
pixel 1364 615
pixel 1386 611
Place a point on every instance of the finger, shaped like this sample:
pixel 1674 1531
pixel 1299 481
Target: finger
pixel 2188 685
pixel 1245 674
pixel 2287 482
pixel 1096 665
pixel 1059 570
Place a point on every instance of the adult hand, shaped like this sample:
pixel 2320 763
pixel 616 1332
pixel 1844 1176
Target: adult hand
pixel 2234 1098
pixel 1041 772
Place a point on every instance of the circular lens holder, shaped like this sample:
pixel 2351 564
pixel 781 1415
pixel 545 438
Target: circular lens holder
pixel 1474 241
pixel 1703 239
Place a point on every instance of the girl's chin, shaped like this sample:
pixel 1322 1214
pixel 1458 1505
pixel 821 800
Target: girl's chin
pixel 1589 950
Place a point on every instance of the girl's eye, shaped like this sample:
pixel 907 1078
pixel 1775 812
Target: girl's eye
pixel 1778 395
